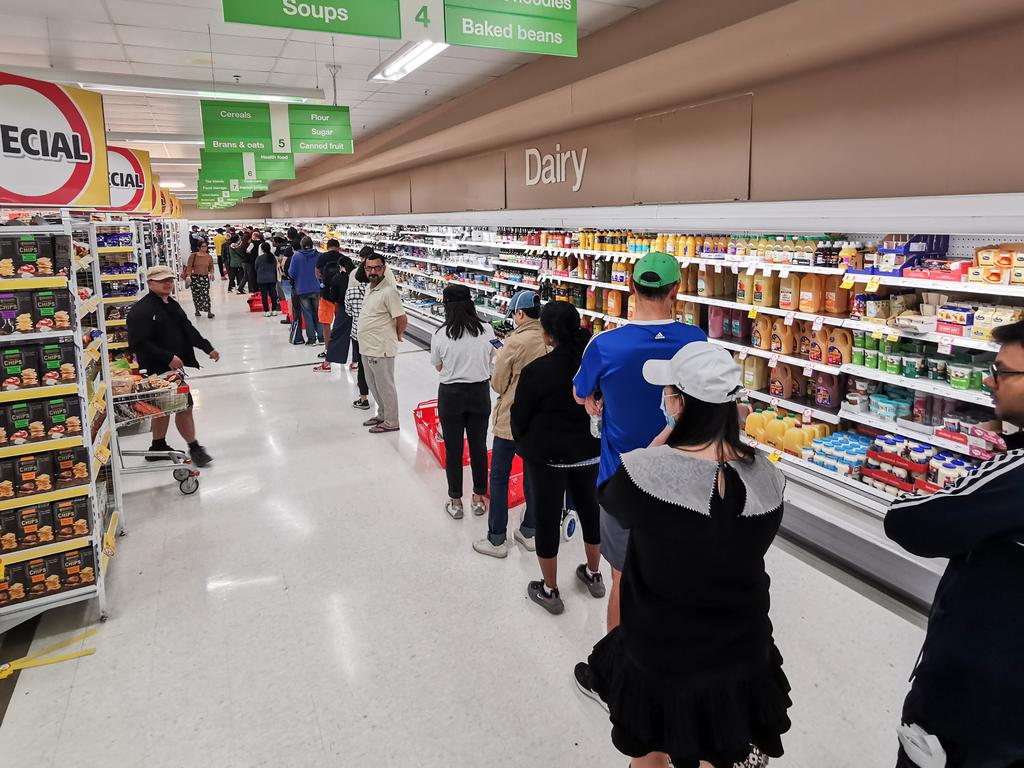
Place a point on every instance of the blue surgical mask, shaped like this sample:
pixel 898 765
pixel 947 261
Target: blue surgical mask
pixel 669 418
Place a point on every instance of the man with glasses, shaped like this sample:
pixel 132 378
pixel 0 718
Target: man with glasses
pixel 382 323
pixel 964 707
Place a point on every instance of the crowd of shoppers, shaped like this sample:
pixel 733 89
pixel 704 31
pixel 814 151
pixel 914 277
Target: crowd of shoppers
pixel 641 429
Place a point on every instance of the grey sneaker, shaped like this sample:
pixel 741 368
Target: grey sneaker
pixel 593 583
pixel 529 543
pixel 585 683
pixel 552 604
pixel 485 547
pixel 479 508
pixel 455 512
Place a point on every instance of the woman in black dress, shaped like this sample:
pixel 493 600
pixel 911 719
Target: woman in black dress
pixel 692 674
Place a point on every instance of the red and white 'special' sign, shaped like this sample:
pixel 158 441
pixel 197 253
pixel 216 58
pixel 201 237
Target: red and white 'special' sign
pixel 53 148
pixel 131 182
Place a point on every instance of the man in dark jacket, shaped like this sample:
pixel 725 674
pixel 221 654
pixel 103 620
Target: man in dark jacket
pixel 163 339
pixel 969 681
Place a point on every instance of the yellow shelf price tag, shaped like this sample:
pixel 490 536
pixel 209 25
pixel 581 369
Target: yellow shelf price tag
pixel 892 338
pixel 878 333
pixel 847 283
pixel 873 284
pixel 1 568
pixel 775 457
pixel 752 314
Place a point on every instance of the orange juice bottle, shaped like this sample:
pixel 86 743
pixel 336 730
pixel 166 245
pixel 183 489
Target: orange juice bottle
pixel 761 333
pixel 784 341
pixel 818 351
pixel 837 298
pixel 840 347
pixel 812 294
pixel 766 290
pixel 775 432
pixel 797 438
pixel 691 247
pixel 789 292
pixel 745 288
pixel 754 425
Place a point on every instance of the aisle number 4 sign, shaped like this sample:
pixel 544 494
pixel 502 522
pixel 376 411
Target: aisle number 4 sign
pixel 531 26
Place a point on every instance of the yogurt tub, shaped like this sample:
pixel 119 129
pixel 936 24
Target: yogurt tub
pixel 857 357
pixel 871 358
pixel 858 339
pixel 959 376
pixel 894 364
pixel 913 366
pixel 936 368
pixel 978 375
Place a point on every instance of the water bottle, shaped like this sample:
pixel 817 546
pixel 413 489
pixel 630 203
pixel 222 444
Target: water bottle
pixel 595 426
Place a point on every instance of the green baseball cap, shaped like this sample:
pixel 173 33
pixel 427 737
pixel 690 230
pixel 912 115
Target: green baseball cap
pixel 656 270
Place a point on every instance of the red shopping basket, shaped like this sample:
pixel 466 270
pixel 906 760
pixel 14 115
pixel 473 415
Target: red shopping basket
pixel 429 431
pixel 516 483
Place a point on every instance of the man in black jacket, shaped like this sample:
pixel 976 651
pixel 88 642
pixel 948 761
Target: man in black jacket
pixel 969 682
pixel 163 339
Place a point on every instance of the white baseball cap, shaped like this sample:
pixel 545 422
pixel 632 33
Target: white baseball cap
pixel 701 369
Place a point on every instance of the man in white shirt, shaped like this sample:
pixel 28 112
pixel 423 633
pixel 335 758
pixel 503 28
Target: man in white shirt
pixel 382 324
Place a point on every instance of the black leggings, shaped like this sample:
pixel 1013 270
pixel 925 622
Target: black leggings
pixel 268 292
pixel 465 410
pixel 548 486
pixel 364 388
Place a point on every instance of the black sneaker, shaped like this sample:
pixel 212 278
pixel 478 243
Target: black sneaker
pixel 594 583
pixel 159 447
pixel 210 315
pixel 322 355
pixel 585 683
pixel 286 321
pixel 362 405
pixel 550 602
pixel 200 457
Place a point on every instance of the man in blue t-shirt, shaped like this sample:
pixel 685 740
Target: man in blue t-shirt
pixel 611 383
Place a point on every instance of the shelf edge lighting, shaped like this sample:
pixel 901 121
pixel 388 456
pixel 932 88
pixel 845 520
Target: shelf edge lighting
pixel 406 59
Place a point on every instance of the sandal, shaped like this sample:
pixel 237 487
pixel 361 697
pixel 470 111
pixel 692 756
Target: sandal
pixel 381 428
pixel 373 422
pixel 454 512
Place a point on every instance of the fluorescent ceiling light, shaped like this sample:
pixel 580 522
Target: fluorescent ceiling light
pixel 118 137
pixel 166 86
pixel 172 184
pixel 409 57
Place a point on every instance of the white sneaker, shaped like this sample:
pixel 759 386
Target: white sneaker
pixel 530 544
pixel 485 547
pixel 273 313
pixel 266 314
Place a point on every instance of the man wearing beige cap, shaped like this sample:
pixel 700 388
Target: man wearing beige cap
pixel 162 338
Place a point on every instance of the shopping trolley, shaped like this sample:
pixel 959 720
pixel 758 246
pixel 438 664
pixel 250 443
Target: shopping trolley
pixel 162 395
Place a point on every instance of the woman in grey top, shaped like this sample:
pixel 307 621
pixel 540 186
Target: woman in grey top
pixel 462 350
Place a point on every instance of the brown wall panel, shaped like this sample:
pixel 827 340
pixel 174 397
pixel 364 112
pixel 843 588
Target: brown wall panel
pixel 393 195
pixel 607 175
pixel 695 154
pixel 241 212
pixel 472 184
pixel 353 200
pixel 939 119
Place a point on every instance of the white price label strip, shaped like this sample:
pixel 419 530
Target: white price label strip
pixel 818 323
pixel 807 415
pixel 773 361
pixel 808 371
pixel 784 273
pixel 744 354
pixel 790 318
pixel 684 262
pixel 946 345
pixel 751 270
pixel 718 269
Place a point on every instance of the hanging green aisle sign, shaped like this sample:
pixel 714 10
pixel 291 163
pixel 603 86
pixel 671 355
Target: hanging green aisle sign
pixel 248 166
pixel 530 26
pixel 370 18
pixel 242 126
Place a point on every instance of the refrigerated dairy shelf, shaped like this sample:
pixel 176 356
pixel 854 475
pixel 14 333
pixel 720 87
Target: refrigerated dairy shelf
pixel 829 417
pixel 799 362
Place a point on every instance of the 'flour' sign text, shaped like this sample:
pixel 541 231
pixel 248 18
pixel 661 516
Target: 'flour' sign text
pixel 555 168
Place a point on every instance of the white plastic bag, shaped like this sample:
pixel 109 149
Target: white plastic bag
pixel 921 747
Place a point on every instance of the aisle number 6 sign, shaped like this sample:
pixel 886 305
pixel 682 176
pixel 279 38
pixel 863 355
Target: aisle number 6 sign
pixel 423 20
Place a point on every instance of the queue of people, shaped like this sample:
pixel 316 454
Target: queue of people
pixel 684 511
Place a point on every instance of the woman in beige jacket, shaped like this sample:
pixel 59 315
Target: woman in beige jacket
pixel 524 345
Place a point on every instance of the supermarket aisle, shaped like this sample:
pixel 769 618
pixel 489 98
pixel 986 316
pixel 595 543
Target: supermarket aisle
pixel 313 605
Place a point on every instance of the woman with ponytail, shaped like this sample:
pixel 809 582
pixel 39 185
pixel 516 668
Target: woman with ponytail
pixel 552 434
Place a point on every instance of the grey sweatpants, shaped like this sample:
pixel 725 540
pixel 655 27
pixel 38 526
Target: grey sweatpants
pixel 380 377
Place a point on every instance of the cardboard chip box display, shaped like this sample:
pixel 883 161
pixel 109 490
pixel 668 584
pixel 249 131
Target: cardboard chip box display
pixel 33 474
pixel 16 313
pixel 62 417
pixel 35 578
pixel 71 518
pixel 8 531
pixel 71 467
pixel 29 256
pixel 78 568
pixel 57 363
pixel 20 368
pixel 7 478
pixel 35 526
pixel 51 310
pixel 24 423
pixel 13 587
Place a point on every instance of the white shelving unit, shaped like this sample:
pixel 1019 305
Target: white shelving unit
pixel 64 565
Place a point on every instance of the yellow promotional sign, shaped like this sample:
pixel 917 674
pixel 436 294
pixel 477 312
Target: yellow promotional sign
pixel 53 147
pixel 154 197
pixel 131 180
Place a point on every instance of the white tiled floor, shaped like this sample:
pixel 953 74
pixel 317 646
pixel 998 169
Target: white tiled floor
pixel 313 605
